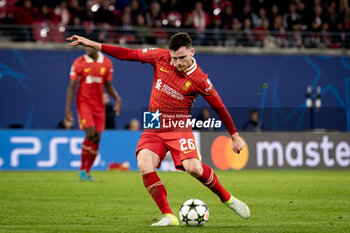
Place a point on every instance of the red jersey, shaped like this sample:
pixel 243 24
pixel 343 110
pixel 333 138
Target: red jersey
pixel 174 92
pixel 91 76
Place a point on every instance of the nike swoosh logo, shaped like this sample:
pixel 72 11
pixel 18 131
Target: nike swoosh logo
pixel 162 69
pixel 187 151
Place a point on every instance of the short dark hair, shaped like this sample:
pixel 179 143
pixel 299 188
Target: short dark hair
pixel 180 39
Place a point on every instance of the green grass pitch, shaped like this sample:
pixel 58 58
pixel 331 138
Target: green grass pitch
pixel 280 201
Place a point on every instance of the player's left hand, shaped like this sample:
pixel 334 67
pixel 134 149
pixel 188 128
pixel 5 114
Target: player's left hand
pixel 118 107
pixel 237 143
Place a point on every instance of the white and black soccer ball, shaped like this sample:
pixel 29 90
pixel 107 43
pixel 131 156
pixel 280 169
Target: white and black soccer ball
pixel 194 212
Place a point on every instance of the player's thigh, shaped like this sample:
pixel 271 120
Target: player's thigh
pixel 85 118
pixel 147 161
pixel 99 121
pixel 150 151
pixel 182 146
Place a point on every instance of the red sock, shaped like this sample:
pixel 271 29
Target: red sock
pixel 85 151
pixel 92 156
pixel 210 180
pixel 157 190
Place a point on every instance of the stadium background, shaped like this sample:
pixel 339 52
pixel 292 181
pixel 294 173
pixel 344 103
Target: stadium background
pixel 35 82
pixel 260 54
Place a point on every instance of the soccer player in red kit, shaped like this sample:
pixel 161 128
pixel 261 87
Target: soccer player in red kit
pixel 177 82
pixel 92 72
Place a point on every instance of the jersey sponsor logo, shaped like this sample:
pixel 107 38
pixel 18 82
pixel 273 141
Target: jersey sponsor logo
pixel 173 93
pixel 168 90
pixel 158 84
pixel 102 70
pixel 164 70
pixel 87 69
pixel 187 85
pixel 91 79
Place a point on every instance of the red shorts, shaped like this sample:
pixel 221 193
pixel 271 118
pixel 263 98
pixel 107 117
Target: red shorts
pixel 182 145
pixel 88 118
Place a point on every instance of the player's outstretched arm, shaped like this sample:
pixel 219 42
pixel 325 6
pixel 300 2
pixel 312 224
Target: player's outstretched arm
pixel 79 40
pixel 120 53
pixel 114 51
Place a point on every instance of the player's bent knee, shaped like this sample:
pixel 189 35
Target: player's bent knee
pixel 193 167
pixel 145 167
pixel 90 138
pixel 96 140
pixel 194 170
pixel 142 165
pixel 145 162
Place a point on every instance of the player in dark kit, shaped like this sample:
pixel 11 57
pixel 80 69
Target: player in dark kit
pixel 177 82
pixel 92 72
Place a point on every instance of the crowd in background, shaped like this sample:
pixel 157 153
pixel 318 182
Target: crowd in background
pixel 273 23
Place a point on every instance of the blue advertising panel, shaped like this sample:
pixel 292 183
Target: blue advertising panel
pixel 33 86
pixel 60 150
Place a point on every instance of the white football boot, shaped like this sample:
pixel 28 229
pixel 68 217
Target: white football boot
pixel 239 207
pixel 167 220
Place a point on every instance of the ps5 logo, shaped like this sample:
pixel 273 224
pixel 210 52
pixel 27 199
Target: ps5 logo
pixel 32 146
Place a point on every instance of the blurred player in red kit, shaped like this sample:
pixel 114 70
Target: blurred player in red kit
pixel 177 82
pixel 93 71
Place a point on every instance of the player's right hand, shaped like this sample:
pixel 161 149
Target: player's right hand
pixel 69 116
pixel 118 107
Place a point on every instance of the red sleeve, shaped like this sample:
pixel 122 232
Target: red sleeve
pixel 216 103
pixel 147 55
pixel 120 53
pixel 207 90
pixel 109 70
pixel 152 55
pixel 75 70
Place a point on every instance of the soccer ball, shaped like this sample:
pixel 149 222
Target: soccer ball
pixel 194 212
